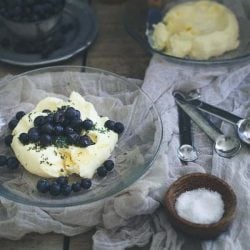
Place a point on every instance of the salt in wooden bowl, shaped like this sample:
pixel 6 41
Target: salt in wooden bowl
pixel 194 181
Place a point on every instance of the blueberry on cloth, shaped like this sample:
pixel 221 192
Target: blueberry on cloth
pixel 109 165
pixel 8 140
pixel 76 187
pixel 19 115
pixel 55 189
pixel 86 183
pixel 24 138
pixel 118 127
pixel 12 163
pixel 12 124
pixel 3 160
pixel 109 124
pixel 102 171
pixel 43 186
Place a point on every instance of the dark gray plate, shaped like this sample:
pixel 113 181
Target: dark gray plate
pixel 79 37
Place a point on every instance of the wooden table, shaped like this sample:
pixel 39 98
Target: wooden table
pixel 116 51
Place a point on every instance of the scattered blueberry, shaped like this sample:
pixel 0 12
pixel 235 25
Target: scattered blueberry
pixel 84 141
pixel 109 124
pixel 66 189
pixel 3 160
pixel 76 187
pixel 102 171
pixel 19 115
pixel 33 134
pixel 86 183
pixel 109 165
pixel 87 124
pixel 118 127
pixel 55 189
pixel 43 186
pixel 24 138
pixel 45 140
pixel 12 163
pixel 12 124
pixel 8 140
pixel 62 180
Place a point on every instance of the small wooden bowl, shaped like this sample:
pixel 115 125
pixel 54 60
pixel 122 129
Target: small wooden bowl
pixel 200 180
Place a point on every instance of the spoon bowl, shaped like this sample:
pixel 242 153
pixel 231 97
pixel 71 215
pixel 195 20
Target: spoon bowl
pixel 227 146
pixel 187 153
pixel 243 130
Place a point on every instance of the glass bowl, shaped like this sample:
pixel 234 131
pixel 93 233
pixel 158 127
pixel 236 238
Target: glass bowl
pixel 139 15
pixel 112 96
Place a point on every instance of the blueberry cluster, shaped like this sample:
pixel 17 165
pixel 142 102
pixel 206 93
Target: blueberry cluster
pixel 117 127
pixel 10 162
pixel 107 166
pixel 61 128
pixel 30 10
pixel 61 186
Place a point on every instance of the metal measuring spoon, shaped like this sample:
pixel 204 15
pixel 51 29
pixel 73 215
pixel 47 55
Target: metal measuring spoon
pixel 186 151
pixel 225 146
pixel 243 125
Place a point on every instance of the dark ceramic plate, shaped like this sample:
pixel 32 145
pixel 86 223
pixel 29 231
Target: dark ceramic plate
pixel 75 33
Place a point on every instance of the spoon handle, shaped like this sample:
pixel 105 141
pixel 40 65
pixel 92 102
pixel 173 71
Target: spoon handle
pixel 211 131
pixel 184 128
pixel 212 110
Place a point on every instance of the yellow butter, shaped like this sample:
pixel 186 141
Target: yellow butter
pixel 53 161
pixel 198 30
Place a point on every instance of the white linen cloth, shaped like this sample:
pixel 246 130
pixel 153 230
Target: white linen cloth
pixel 135 215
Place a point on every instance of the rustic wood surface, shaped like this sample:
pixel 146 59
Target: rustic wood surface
pixel 116 51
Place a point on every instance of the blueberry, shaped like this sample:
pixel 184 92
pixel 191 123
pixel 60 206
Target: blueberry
pixel 58 117
pixel 70 113
pixel 102 171
pixel 77 114
pixel 86 183
pixel 12 124
pixel 43 186
pixel 3 160
pixel 76 187
pixel 8 140
pixel 55 189
pixel 76 124
pixel 109 124
pixel 12 163
pixel 68 130
pixel 45 140
pixel 66 189
pixel 39 121
pixel 109 165
pixel 47 129
pixel 118 127
pixel 58 130
pixel 49 118
pixel 84 141
pixel 24 138
pixel 19 115
pixel 62 180
pixel 87 124
pixel 33 134
pixel 73 138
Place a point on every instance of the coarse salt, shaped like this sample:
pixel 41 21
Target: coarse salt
pixel 200 205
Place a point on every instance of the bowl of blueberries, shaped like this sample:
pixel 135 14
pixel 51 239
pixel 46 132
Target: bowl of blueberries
pixel 31 19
